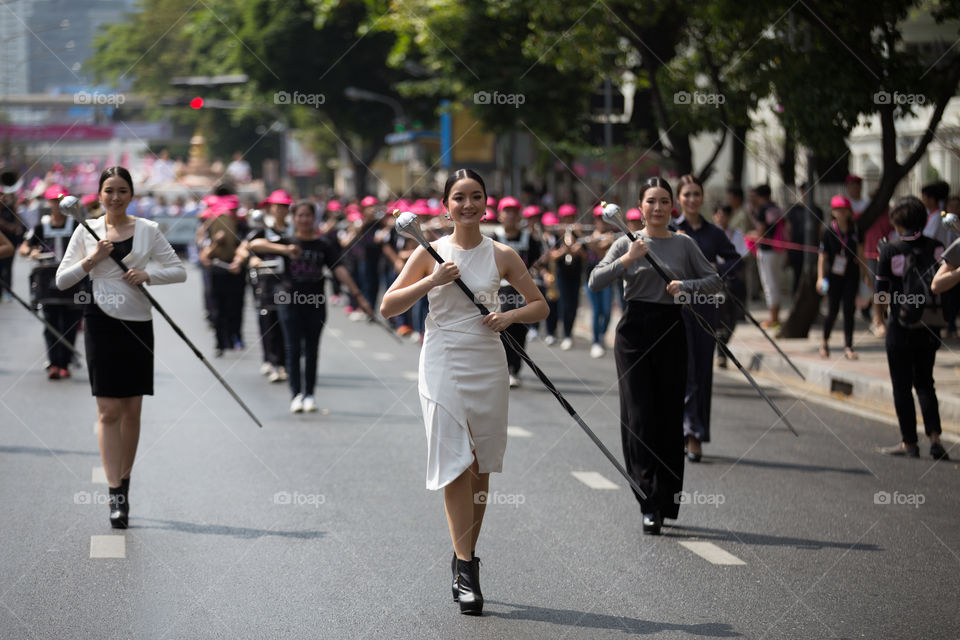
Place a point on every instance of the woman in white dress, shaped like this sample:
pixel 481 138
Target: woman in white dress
pixel 463 366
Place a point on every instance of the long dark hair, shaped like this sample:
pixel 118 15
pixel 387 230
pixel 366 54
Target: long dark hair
pixel 461 174
pixel 652 183
pixel 118 172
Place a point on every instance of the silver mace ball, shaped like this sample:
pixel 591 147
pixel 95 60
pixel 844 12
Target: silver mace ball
pixel 613 215
pixel 408 225
pixel 950 221
pixel 71 206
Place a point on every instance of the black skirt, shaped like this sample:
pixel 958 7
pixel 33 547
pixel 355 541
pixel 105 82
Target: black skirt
pixel 119 356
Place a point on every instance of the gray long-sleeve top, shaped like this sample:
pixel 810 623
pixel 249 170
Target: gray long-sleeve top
pixel 678 255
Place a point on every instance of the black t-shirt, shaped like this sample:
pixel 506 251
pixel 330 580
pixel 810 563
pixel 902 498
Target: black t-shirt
pixel 305 275
pixel 770 217
pixel 890 266
pixel 10 216
pixel 834 244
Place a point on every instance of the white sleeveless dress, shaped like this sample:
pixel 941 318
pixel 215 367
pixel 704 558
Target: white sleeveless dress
pixel 464 386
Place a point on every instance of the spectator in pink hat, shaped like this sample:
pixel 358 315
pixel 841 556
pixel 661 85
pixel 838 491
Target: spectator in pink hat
pixel 266 274
pixel 839 273
pixel 523 241
pixel 567 256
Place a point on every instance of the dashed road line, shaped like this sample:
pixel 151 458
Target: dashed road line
pixel 108 546
pixel 594 480
pixel 412 376
pixel 356 344
pixel 518 432
pixel 383 357
pixel 98 476
pixel 711 552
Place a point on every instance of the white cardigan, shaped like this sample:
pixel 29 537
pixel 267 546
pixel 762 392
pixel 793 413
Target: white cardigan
pixel 111 293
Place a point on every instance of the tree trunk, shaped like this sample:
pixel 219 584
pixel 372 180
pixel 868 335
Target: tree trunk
pixel 739 149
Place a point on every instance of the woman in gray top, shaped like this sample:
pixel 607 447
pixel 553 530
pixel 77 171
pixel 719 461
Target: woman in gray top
pixel 651 348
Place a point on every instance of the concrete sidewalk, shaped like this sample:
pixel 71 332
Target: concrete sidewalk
pixel 863 383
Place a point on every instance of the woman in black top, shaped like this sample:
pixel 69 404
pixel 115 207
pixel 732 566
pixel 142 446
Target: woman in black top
pixel 651 349
pixel 301 304
pixel 839 273
pixel 714 244
pixel 118 325
pixel 912 346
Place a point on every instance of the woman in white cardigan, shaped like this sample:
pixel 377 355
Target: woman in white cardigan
pixel 118 326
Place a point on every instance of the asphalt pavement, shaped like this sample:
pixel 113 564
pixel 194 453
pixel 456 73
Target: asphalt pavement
pixel 319 525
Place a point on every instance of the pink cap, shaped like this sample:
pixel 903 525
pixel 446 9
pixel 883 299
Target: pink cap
pixel 854 178
pixel 369 201
pixel 353 216
pixel 549 219
pixel 421 209
pixel 278 197
pixel 634 214
pixel 353 207
pixel 54 192
pixel 229 203
pixel 491 202
pixel 567 210
pixel 598 210
pixel 840 202
pixel 89 199
pixel 489 216
pixel 509 201
pixel 532 210
pixel 334 205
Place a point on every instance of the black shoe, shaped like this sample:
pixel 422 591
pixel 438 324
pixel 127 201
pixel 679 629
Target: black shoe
pixel 118 508
pixel 652 523
pixel 453 570
pixel 693 457
pixel 902 450
pixel 468 585
pixel 125 489
pixel 937 452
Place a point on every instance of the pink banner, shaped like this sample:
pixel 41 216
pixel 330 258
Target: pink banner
pixel 30 133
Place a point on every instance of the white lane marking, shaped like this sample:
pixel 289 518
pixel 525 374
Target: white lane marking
pixel 412 376
pixel 99 476
pixel 383 357
pixel 356 344
pixel 711 552
pixel 594 480
pixel 95 427
pixel 336 333
pixel 108 546
pixel 519 432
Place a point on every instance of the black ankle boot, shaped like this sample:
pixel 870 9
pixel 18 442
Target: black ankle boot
pixel 453 570
pixel 652 523
pixel 118 508
pixel 468 585
pixel 125 489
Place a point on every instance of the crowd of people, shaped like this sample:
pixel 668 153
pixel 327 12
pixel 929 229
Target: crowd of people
pixel 529 266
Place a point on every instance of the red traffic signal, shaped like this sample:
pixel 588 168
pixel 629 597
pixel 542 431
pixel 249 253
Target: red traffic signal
pixel 196 103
